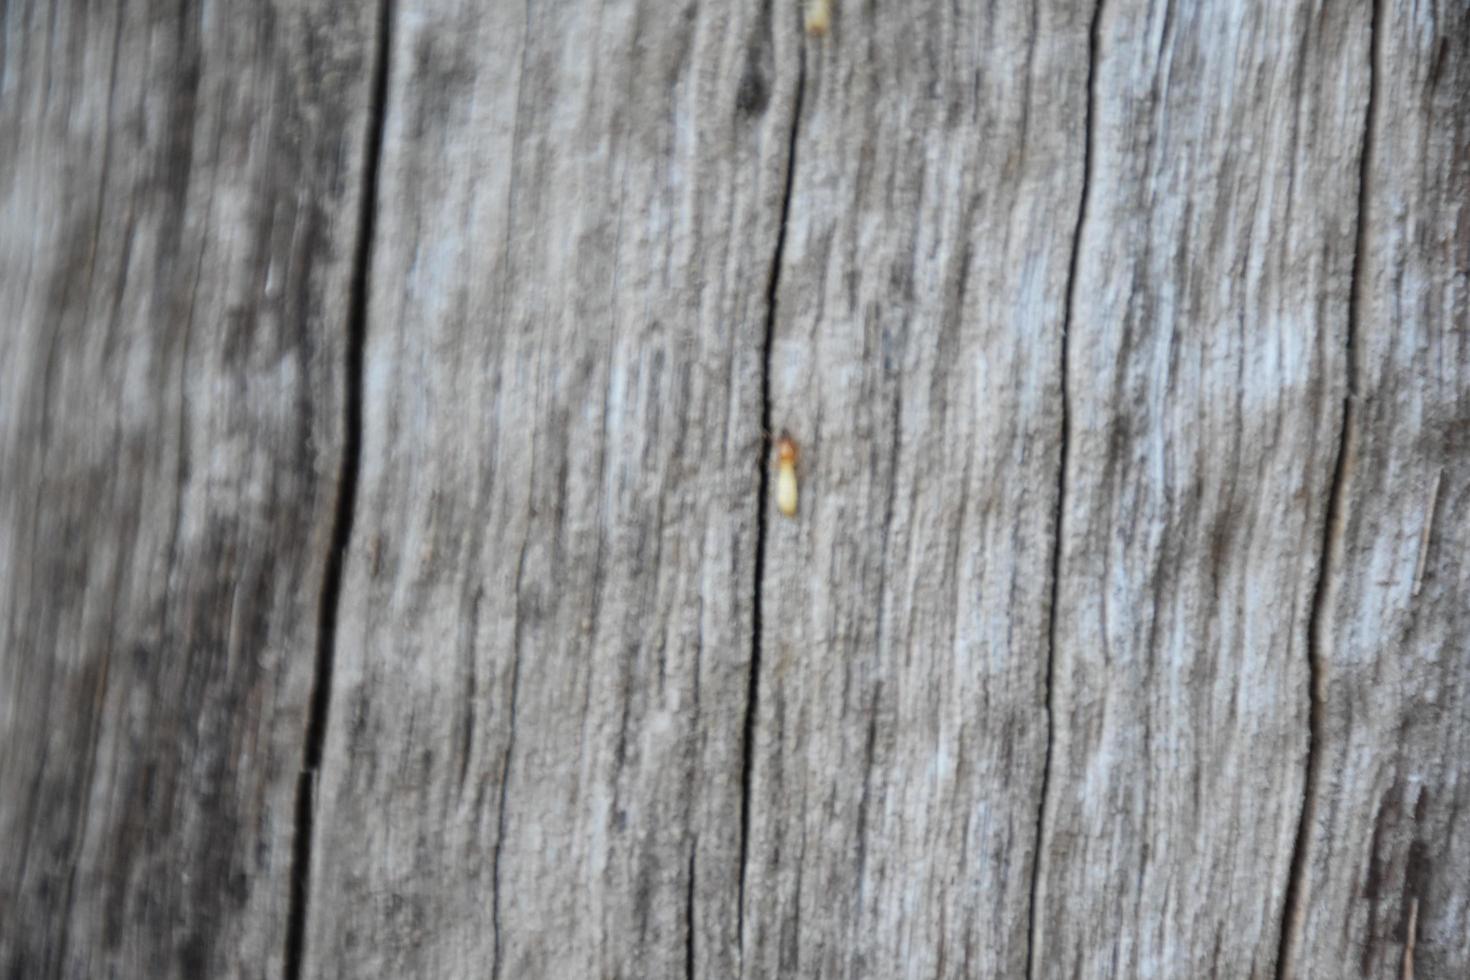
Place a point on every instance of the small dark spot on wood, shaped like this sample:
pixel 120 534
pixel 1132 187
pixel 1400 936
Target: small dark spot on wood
pixel 445 78
pixel 532 606
pixel 193 960
pixel 754 92
pixel 643 895
pixel 238 888
pixel 901 280
pixel 1388 811
pixel 1436 64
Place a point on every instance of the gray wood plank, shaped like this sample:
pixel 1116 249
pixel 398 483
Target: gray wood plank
pixel 177 216
pixel 916 360
pixel 1206 366
pixel 1121 625
pixel 535 743
pixel 1385 879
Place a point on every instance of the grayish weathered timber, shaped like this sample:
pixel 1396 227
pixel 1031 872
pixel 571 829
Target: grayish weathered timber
pixel 178 212
pixel 1122 627
pixel 535 743
pixel 916 358
pixel 1205 372
pixel 1385 881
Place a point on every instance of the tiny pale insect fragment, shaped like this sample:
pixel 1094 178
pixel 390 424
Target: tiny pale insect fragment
pixel 786 475
pixel 818 17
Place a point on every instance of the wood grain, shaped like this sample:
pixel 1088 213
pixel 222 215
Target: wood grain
pixel 1386 849
pixel 1205 372
pixel 535 742
pixel 178 206
pixel 1120 629
pixel 916 358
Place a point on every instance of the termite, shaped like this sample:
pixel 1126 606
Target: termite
pixel 818 17
pixel 786 475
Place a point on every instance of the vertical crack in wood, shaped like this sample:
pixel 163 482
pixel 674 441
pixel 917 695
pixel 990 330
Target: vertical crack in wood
pixel 762 489
pixel 1295 904
pixel 1033 932
pixel 689 937
pixel 342 518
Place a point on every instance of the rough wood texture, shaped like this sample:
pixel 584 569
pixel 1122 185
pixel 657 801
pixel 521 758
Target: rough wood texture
pixel 178 205
pixel 1206 364
pixel 534 758
pixel 1386 851
pixel 1120 631
pixel 900 736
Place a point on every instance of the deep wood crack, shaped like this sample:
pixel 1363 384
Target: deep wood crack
pixel 1033 912
pixel 689 927
pixel 342 518
pixel 1294 907
pixel 763 489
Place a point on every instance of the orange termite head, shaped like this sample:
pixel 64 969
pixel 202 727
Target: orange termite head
pixel 785 449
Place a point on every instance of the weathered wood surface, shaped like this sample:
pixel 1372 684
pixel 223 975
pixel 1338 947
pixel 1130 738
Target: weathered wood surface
pixel 1122 627
pixel 1385 860
pixel 1205 372
pixel 535 744
pixel 916 356
pixel 178 212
